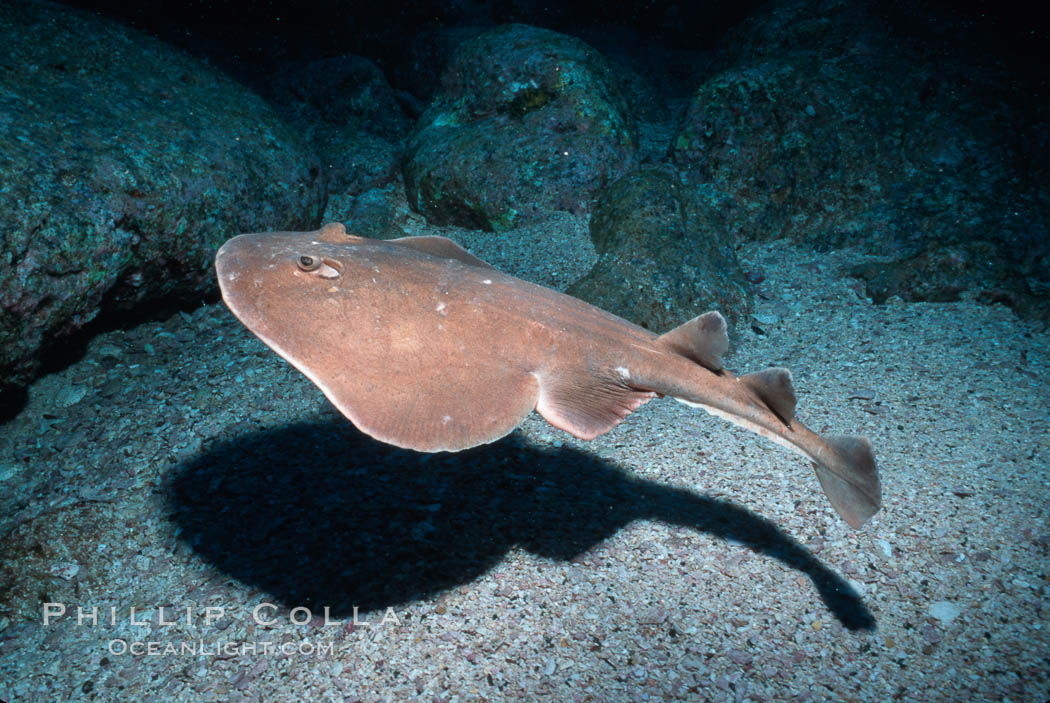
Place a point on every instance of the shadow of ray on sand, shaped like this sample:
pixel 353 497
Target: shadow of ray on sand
pixel 317 514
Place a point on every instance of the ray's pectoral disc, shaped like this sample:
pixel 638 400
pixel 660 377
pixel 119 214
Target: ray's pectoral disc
pixel 393 335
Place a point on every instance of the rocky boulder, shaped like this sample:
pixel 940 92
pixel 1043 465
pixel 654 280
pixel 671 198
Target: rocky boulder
pixel 526 121
pixel 345 108
pixel 124 164
pixel 828 127
pixel 662 256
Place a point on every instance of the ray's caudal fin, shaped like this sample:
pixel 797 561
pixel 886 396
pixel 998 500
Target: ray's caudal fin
pixel 764 402
pixel 849 478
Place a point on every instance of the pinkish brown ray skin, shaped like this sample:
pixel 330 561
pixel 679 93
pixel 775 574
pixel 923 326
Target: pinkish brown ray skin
pixel 424 346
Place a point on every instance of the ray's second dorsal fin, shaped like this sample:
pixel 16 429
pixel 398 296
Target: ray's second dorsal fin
pixel 773 386
pixel 703 339
pixel 443 247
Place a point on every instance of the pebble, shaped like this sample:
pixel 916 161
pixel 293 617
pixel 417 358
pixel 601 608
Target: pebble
pixel 71 395
pixel 652 616
pixel 65 570
pixel 754 276
pixel 944 611
pixel 861 394
pixel 739 657
pixel 766 318
pixel 110 350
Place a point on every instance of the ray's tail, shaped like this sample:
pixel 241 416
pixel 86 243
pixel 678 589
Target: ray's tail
pixel 764 402
pixel 848 475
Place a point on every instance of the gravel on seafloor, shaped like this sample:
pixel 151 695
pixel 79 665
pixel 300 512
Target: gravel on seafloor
pixel 184 470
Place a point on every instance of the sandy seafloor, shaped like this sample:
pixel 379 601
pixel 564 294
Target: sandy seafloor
pixel 182 465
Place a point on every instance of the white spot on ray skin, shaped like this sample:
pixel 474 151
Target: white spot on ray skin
pixel 487 281
pixel 447 419
pixel 441 308
pixel 624 372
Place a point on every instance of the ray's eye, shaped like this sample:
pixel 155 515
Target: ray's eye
pixel 319 266
pixel 308 263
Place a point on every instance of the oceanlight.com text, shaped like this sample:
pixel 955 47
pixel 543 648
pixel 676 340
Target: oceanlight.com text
pixel 200 648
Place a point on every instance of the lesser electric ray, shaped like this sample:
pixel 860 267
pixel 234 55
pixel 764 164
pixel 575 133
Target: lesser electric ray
pixel 422 345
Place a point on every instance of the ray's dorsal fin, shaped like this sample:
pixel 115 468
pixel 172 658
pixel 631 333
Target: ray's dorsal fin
pixel 443 247
pixel 334 233
pixel 703 339
pixel 773 386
